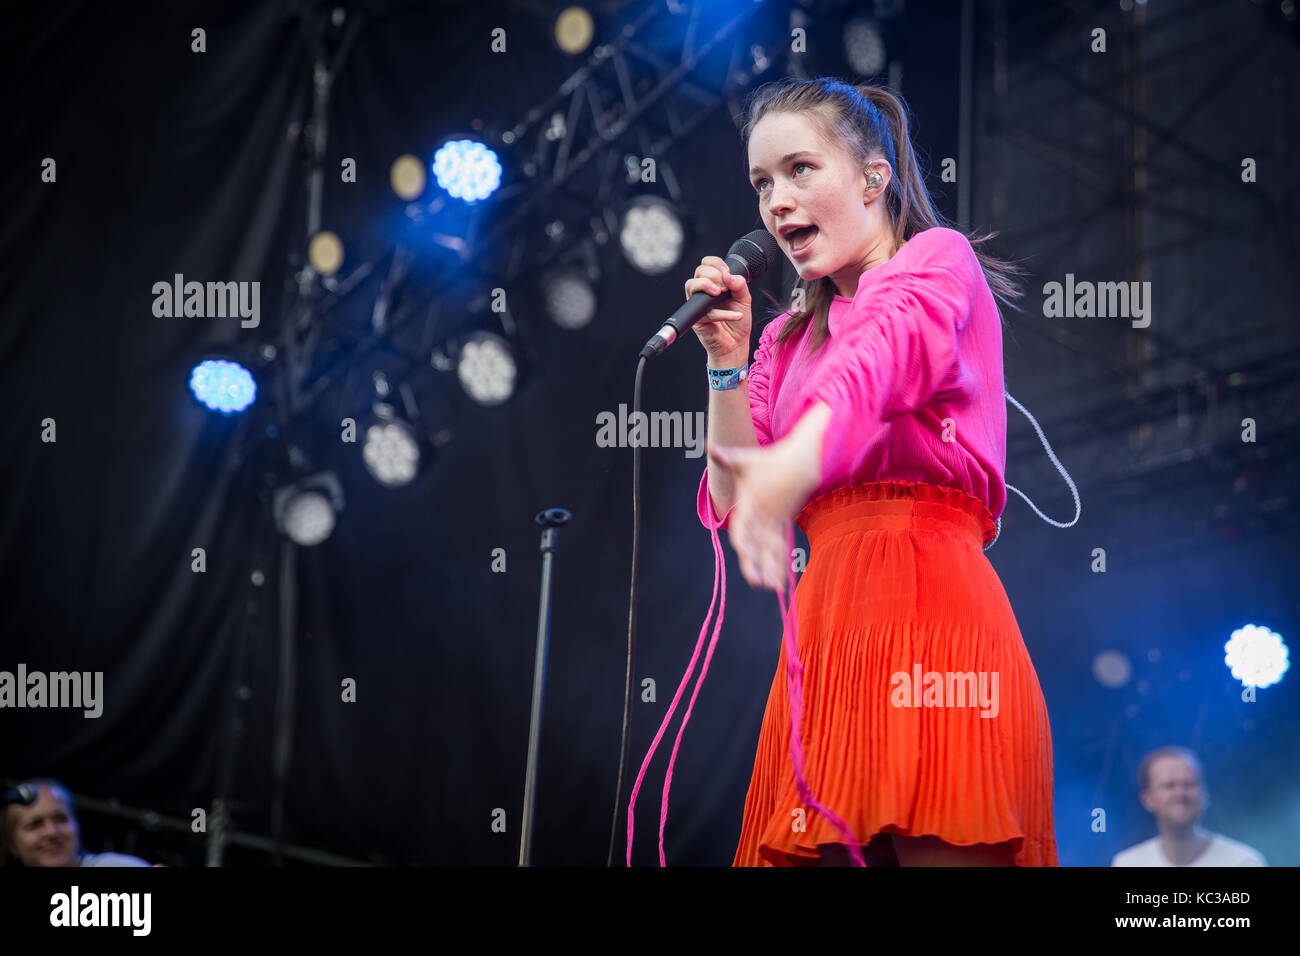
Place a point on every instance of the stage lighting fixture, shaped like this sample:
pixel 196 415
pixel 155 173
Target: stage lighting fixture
pixel 1112 669
pixel 487 368
pixel 325 253
pixel 574 29
pixel 651 235
pixel 308 518
pixel 569 297
pixel 467 169
pixel 864 47
pixel 306 510
pixel 391 450
pixel 1256 656
pixel 223 386
pixel 407 177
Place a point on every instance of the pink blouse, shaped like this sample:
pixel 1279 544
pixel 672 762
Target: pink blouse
pixel 913 358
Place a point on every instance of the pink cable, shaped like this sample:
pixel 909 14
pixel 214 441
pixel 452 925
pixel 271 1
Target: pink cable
pixel 719 572
pixel 794 679
pixel 717 629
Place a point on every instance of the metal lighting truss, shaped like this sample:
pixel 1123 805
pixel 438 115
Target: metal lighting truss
pixel 667 72
pixel 1069 154
pixel 575 148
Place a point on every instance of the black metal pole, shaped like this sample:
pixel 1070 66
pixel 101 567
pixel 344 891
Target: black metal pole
pixel 286 693
pixel 550 520
pixel 235 719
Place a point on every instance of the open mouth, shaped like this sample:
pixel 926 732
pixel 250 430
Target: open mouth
pixel 801 239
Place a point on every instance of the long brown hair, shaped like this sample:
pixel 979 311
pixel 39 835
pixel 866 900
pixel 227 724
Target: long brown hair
pixel 867 121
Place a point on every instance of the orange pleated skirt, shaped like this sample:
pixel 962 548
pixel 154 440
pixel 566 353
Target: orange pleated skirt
pixel 902 626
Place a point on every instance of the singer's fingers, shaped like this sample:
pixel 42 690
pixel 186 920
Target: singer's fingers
pixel 738 287
pixel 755 567
pixel 705 283
pixel 774 564
pixel 744 556
pixel 760 555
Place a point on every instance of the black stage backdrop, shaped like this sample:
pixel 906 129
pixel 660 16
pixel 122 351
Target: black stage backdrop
pixel 174 162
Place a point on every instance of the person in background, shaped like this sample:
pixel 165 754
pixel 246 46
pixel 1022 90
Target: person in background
pixel 46 832
pixel 1169 780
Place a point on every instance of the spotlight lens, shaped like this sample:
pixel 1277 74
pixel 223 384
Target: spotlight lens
pixel 407 177
pixel 574 29
pixel 325 252
pixel 222 386
pixel 308 518
pixel 1112 669
pixel 1257 656
pixel 487 370
pixel 391 454
pixel 570 301
pixel 864 47
pixel 467 170
pixel 652 237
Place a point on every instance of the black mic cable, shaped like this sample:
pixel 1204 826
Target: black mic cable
pixel 631 618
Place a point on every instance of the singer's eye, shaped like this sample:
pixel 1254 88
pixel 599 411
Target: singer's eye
pixel 759 184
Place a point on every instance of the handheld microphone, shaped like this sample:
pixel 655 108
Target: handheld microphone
pixel 23 795
pixel 750 256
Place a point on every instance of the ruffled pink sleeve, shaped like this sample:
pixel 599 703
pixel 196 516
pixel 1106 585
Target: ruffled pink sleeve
pixel 760 367
pixel 896 351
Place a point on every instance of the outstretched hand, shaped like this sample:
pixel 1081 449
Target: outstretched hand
pixel 772 483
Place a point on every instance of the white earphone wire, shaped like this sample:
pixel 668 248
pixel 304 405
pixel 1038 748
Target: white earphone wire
pixel 1078 507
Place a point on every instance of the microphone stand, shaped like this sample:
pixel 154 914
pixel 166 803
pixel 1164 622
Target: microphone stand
pixel 550 520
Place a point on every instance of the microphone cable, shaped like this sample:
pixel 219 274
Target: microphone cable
pixel 631 617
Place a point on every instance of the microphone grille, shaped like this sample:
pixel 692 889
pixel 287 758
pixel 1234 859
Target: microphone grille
pixel 758 250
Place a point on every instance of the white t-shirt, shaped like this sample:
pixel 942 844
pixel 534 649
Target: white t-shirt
pixel 110 859
pixel 1221 852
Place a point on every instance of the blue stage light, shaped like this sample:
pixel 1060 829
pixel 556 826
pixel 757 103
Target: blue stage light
pixel 223 386
pixel 467 170
pixel 1256 656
